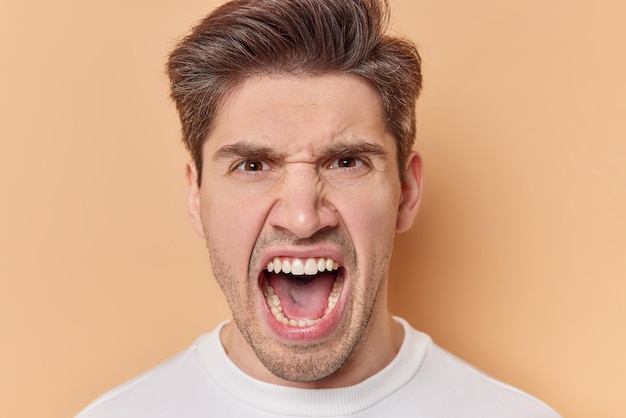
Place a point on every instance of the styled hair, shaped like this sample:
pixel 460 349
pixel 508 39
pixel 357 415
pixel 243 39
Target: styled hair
pixel 247 38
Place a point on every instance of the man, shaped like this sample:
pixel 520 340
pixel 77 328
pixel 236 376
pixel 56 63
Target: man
pixel 300 117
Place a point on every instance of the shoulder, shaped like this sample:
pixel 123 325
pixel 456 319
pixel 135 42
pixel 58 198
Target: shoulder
pixel 174 384
pixel 455 388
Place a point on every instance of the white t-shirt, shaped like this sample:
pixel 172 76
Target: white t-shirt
pixel 423 380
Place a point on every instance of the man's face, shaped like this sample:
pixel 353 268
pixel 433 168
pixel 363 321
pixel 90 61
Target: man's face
pixel 299 203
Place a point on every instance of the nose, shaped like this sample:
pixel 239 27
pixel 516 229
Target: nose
pixel 301 207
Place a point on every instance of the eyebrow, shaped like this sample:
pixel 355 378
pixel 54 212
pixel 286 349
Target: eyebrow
pixel 356 147
pixel 244 150
pixel 247 151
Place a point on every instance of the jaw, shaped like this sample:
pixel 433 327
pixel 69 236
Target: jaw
pixel 313 355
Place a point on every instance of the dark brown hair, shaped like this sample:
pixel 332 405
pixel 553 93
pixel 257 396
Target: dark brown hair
pixel 245 38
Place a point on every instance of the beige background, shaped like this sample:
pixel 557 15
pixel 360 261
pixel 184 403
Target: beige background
pixel 517 262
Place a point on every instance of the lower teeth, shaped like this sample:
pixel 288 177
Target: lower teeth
pixel 273 302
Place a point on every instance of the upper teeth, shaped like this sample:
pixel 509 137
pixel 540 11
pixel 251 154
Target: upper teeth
pixel 299 266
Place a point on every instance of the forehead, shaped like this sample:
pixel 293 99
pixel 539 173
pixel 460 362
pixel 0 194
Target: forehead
pixel 300 113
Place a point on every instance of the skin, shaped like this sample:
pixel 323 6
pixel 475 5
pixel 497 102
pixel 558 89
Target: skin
pixel 304 167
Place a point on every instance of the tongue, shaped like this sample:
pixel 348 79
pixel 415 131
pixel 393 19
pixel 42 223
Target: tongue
pixel 302 297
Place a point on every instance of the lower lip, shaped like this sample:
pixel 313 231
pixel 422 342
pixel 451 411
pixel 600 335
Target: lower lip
pixel 309 333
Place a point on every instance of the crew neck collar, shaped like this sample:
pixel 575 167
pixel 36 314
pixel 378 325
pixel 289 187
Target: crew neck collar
pixel 297 402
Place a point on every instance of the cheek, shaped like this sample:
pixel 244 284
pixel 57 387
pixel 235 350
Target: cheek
pixel 370 217
pixel 231 224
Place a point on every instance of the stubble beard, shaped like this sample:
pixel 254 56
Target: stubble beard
pixel 300 362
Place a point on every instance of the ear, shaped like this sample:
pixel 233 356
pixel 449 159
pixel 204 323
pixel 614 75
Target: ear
pixel 411 192
pixel 193 198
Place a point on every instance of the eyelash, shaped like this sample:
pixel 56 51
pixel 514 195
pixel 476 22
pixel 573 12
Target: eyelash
pixel 333 164
pixel 359 162
pixel 264 166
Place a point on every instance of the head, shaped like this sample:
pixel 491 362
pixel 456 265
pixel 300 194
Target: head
pixel 300 117
pixel 247 38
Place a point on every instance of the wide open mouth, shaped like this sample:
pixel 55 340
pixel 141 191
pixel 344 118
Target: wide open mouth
pixel 302 292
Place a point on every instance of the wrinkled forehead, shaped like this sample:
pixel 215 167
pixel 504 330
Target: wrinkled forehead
pixel 292 108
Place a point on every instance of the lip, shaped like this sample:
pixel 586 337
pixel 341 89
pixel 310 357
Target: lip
pixel 314 332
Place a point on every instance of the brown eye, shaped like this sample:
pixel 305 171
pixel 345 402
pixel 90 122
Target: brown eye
pixel 253 166
pixel 346 162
